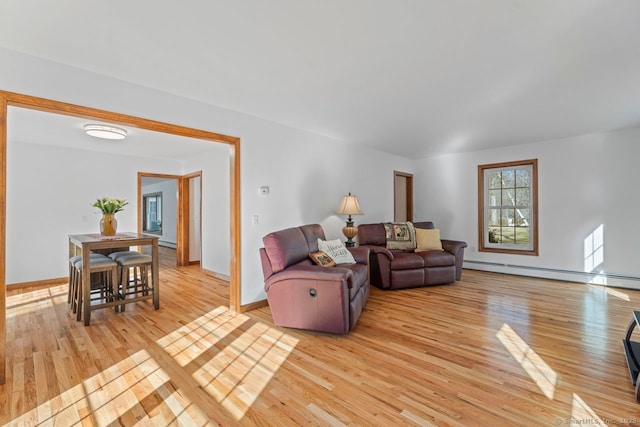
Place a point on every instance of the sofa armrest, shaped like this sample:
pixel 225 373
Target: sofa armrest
pixel 457 249
pixel 453 246
pixel 360 254
pixel 311 272
pixel 375 250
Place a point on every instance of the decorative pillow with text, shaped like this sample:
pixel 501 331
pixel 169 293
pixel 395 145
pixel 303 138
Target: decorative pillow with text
pixel 336 250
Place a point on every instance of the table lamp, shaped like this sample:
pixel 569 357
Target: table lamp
pixel 349 206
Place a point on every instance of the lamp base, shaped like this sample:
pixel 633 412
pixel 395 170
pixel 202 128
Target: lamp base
pixel 350 231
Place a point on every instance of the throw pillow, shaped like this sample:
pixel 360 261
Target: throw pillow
pixel 428 240
pixel 322 259
pixel 336 250
pixel 400 235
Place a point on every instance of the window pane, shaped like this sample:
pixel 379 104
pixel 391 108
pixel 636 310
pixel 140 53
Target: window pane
pixel 522 217
pixel 494 235
pixel 508 197
pixel 495 180
pixel 522 197
pixel 522 178
pixel 494 217
pixel 507 235
pixel 494 198
pixel 522 235
pixel 508 179
pixel 506 217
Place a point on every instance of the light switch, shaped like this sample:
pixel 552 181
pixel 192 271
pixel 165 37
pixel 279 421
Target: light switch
pixel 255 219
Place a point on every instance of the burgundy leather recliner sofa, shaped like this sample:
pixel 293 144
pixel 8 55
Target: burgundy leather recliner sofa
pixel 304 295
pixel 398 269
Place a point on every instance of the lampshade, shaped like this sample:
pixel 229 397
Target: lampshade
pixel 105 131
pixel 349 206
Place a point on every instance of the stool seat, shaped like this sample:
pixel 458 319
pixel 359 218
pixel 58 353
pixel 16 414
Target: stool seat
pixel 119 254
pixel 92 256
pixel 97 264
pixel 132 260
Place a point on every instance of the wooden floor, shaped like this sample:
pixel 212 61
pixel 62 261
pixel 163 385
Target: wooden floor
pixel 491 350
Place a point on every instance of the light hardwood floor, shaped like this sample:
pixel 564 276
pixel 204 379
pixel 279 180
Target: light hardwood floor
pixel 491 350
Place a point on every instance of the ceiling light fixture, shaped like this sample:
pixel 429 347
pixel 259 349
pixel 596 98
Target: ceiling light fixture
pixel 105 131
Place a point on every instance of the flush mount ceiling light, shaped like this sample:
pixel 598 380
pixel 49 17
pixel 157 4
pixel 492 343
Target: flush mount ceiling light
pixel 105 131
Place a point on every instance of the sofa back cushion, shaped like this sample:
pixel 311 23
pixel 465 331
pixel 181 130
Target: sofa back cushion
pixel 424 224
pixel 292 245
pixel 371 234
pixel 374 234
pixel 312 233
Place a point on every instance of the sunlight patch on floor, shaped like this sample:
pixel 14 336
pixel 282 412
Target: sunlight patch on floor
pixel 231 357
pixel 583 414
pixel 545 377
pixel 611 291
pixel 37 299
pixel 135 390
pixel 190 341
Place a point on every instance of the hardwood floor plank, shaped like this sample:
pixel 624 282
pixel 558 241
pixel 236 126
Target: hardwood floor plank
pixel 491 349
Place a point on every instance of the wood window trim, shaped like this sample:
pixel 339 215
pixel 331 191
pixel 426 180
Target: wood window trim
pixel 534 209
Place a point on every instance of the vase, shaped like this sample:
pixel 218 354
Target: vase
pixel 108 225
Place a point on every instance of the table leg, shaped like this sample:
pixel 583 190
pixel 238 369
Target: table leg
pixel 155 276
pixel 86 287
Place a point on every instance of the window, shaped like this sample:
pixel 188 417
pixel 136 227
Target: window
pixel 508 207
pixel 152 213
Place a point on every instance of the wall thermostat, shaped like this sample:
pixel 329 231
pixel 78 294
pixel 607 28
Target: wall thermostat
pixel 264 190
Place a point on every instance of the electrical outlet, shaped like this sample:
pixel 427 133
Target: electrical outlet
pixel 255 219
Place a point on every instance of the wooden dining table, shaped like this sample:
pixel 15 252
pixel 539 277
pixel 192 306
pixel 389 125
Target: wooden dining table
pixel 84 244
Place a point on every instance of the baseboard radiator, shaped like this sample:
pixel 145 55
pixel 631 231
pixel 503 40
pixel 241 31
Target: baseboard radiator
pixel 595 278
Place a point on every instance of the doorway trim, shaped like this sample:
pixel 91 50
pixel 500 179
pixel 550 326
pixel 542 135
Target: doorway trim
pixel 408 194
pixel 11 99
pixel 186 223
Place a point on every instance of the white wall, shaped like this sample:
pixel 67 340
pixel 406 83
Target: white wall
pixel 307 173
pixel 583 182
pixel 215 167
pixel 169 218
pixel 50 191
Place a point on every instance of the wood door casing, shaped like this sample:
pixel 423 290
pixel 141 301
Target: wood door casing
pixel 402 196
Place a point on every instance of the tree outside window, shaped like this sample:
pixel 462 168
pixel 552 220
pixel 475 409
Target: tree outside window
pixel 507 208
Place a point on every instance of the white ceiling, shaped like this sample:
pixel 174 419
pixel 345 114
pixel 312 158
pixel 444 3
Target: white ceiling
pixel 37 127
pixel 412 77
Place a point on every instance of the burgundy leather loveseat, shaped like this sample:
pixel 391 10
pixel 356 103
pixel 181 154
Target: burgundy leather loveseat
pixel 304 295
pixel 397 269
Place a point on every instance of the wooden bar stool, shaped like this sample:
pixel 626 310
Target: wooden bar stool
pixel 134 269
pixel 74 279
pixel 107 276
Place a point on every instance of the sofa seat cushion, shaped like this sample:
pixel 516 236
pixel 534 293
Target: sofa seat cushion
pixel 437 258
pixel 360 277
pixel 407 260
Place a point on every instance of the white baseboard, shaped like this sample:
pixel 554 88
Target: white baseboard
pixel 593 278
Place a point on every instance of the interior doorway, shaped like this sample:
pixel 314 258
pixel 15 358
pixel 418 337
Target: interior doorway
pixel 9 99
pixel 170 207
pixel 402 196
